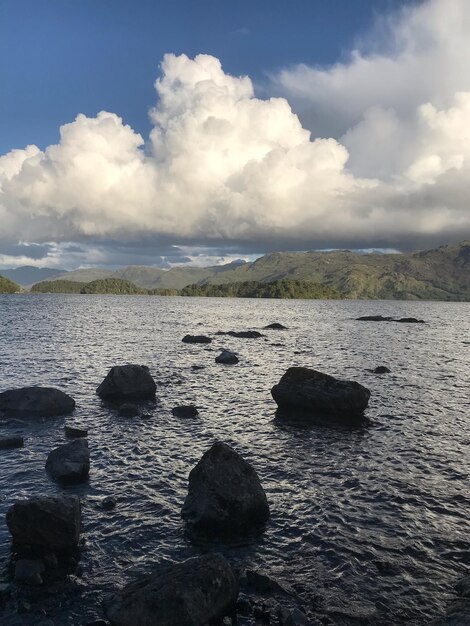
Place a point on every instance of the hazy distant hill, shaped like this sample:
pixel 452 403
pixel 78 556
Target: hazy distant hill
pixel 439 274
pixel 85 275
pixel 175 278
pixel 28 275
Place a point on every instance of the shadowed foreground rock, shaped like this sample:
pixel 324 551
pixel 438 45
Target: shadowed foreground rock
pixel 127 382
pixel 11 442
pixel 225 495
pixel 35 402
pixel 70 462
pixel 193 593
pixel 53 523
pixel 316 394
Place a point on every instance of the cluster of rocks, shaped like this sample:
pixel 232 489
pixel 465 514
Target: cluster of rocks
pixel 225 499
pixel 381 318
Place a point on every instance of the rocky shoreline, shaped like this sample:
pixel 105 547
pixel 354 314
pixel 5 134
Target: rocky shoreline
pixel 225 499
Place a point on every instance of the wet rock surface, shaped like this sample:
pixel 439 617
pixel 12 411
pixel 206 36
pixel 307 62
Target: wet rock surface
pixel 49 522
pixel 35 402
pixel 316 394
pixel 192 593
pixel 225 495
pixel 70 462
pixel 127 382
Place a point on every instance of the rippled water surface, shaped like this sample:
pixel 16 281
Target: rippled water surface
pixel 374 516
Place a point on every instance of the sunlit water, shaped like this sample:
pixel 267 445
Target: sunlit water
pixel 374 516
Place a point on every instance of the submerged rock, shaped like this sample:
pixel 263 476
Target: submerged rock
pixel 11 442
pixel 192 593
pixel 46 521
pixel 227 358
pixel 374 318
pixel 127 382
pixel 128 410
pixel 381 369
pixel 108 503
pixel 35 402
pixel 225 495
pixel 70 462
pixel 29 571
pixel 185 411
pixel 316 394
pixel 73 432
pixel 196 339
pixel 410 320
pixel 275 326
pixel 245 334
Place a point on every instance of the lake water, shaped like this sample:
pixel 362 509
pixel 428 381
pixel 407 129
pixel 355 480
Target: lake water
pixel 373 517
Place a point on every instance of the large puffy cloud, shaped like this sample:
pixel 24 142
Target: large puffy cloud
pixel 223 167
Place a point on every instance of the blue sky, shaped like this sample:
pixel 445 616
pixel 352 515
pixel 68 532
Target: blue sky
pixel 63 57
pixel 201 131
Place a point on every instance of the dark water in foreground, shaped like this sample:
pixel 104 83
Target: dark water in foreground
pixel 375 516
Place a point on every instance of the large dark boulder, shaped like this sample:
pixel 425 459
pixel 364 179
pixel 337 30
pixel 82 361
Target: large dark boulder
pixel 192 593
pixel 225 495
pixel 127 382
pixel 70 462
pixel 35 402
pixel 53 523
pixel 316 394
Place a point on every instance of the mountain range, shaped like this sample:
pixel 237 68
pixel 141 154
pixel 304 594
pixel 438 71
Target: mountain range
pixel 439 274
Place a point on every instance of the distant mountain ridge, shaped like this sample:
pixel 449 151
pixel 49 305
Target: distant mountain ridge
pixel 28 275
pixel 439 274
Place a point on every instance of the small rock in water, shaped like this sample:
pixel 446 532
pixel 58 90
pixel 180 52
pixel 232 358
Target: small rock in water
pixel 46 521
pixel 29 571
pixel 374 318
pixel 225 495
pixel 381 369
pixel 35 402
pixel 227 358
pixel 316 394
pixel 185 411
pixel 108 503
pixel 127 382
pixel 11 442
pixel 128 410
pixel 196 339
pixel 245 334
pixel 275 326
pixel 195 592
pixel 410 320
pixel 70 462
pixel 73 432
pixel 197 367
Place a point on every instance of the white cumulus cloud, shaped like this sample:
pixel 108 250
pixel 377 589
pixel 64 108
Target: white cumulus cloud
pixel 224 166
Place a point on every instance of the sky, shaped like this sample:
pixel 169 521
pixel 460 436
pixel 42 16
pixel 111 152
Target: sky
pixel 147 132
